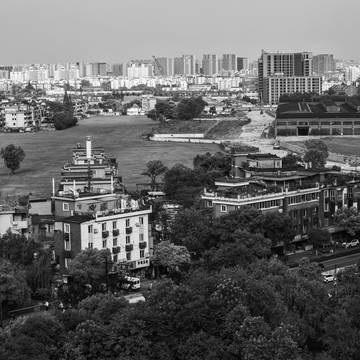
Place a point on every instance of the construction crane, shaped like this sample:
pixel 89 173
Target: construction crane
pixel 157 63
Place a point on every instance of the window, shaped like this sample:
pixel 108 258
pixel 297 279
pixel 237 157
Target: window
pixel 128 256
pixel 104 243
pixel 350 192
pixel 209 203
pixel 67 262
pixel 114 224
pixel 332 195
pixel 67 245
pixel 127 222
pixel 304 212
pixel 142 254
pixel 326 207
pixel 103 226
pixel 65 206
pixel 115 258
pixel 90 245
pixel 90 229
pixel 223 208
pixel 141 220
pixel 67 228
pixel 141 237
pixel 114 241
pixel 127 239
pixel 326 193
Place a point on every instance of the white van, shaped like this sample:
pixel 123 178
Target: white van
pixel 131 283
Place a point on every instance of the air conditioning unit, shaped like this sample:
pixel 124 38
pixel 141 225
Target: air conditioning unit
pixel 96 231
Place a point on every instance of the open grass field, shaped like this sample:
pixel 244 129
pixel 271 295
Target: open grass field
pixel 341 145
pixel 46 152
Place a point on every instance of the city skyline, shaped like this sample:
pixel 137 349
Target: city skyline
pixel 114 32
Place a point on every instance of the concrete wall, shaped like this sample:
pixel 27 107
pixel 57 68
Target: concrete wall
pixel 197 136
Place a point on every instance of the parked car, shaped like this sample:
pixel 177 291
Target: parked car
pixel 352 243
pixel 328 278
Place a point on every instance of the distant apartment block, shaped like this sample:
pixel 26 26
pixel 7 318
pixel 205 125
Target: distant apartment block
pixel 229 62
pixel 242 63
pixel 210 64
pixel 285 73
pixel 323 63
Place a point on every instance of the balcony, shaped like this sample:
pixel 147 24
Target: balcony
pixel 105 234
pixel 129 230
pixel 116 250
pixel 115 232
pixel 142 245
pixel 20 225
pixel 129 247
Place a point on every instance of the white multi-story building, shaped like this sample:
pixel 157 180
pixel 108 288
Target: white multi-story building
pixel 17 117
pixel 139 70
pixel 91 211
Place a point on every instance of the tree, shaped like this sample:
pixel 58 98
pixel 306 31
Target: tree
pixel 279 228
pixel 68 105
pixel 246 218
pixel 348 219
pixel 184 185
pixel 90 267
pixel 318 236
pixel 218 163
pixel 188 109
pixel 13 286
pixel 154 169
pixel 245 249
pixel 13 156
pixel 316 153
pixel 192 228
pixel 291 161
pixel 173 257
pixel 64 120
pixel 38 336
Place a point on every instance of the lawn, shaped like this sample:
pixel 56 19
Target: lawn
pixel 46 152
pixel 340 145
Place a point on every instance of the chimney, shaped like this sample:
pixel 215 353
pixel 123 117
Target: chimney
pixel 88 147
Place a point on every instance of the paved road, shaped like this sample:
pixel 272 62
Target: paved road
pixel 341 262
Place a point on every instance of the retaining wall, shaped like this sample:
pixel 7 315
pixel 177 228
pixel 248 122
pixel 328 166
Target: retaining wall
pixel 168 136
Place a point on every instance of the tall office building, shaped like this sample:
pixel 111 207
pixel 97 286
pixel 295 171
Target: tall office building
pixel 189 64
pixel 278 68
pixel 242 63
pixel 323 63
pixel 210 64
pixel 228 62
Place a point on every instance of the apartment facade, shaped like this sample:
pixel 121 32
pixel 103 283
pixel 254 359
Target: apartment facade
pixel 107 221
pixel 210 64
pixel 14 217
pixel 309 197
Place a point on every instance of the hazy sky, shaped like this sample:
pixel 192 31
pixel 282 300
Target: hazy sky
pixel 49 31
